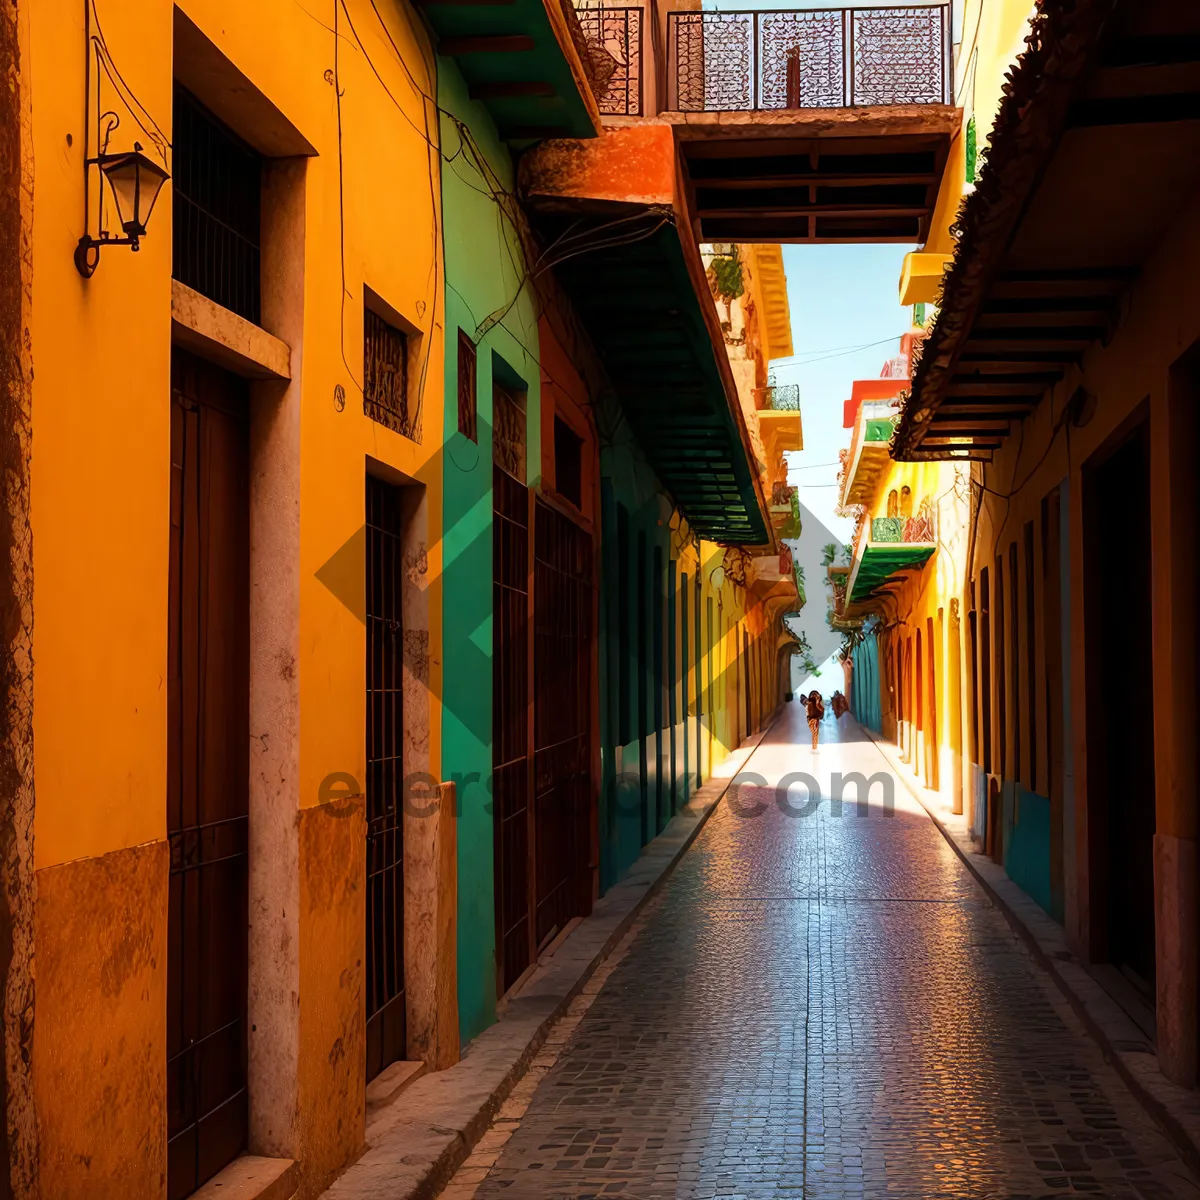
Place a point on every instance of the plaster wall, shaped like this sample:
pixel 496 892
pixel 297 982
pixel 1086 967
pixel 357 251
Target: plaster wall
pixel 492 299
pixel 1139 373
pixel 101 352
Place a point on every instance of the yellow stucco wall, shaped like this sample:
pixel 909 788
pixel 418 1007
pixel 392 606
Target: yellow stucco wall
pixel 993 35
pixel 100 509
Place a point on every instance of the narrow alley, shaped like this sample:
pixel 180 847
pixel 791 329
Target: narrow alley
pixel 822 1005
pixel 451 448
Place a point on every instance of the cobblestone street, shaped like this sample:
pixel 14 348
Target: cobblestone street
pixel 821 1005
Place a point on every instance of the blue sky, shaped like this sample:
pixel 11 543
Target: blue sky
pixel 841 297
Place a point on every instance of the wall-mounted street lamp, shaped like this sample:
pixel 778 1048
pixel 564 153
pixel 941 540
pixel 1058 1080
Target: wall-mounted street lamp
pixel 132 178
pixel 134 181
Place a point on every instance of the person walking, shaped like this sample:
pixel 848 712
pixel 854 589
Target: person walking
pixel 815 708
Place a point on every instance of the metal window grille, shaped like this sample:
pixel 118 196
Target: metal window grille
pixel 614 39
pixel 783 397
pixel 386 1028
pixel 385 375
pixel 218 193
pixel 468 415
pixel 508 431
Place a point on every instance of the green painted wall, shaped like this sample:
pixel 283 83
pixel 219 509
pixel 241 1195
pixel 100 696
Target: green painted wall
pixel 488 297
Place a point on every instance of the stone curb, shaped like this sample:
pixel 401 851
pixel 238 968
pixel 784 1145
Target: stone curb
pixel 415 1145
pixel 1175 1109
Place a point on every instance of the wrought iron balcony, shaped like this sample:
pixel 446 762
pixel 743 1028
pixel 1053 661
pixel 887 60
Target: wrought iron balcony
pixel 782 397
pixel 814 58
pixel 614 42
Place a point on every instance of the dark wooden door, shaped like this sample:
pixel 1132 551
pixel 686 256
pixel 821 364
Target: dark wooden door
pixel 387 1031
pixel 510 725
pixel 562 606
pixel 208 772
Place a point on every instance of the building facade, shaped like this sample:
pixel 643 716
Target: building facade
pixel 1051 393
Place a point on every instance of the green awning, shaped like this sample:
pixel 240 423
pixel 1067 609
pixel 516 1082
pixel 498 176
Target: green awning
pixel 881 560
pixel 642 313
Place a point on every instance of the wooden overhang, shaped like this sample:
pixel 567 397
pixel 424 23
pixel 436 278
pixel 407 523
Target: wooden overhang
pixel 522 59
pixel 617 234
pixel 1095 150
pixel 644 311
pixel 815 175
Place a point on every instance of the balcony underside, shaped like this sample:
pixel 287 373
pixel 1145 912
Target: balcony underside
pixel 815 175
pixel 879 561
pixel 642 310
pixel 520 60
pixel 867 468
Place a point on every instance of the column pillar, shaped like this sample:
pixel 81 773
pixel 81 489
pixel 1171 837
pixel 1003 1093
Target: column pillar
pixel 1173 515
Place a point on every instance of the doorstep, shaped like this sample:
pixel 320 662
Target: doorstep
pixel 1108 1011
pixel 253 1177
pixel 417 1142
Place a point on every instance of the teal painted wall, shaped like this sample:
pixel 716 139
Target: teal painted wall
pixel 488 297
pixel 1027 842
pixel 865 695
pixel 647 751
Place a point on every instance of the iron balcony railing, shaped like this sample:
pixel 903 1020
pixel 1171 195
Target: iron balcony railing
pixel 614 40
pixel 812 58
pixel 783 397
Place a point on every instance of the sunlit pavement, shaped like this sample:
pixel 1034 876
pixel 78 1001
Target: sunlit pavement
pixel 821 1005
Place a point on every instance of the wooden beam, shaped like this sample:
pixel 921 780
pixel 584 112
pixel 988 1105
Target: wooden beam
pixel 1016 363
pixel 1092 320
pixel 1102 303
pixel 490 43
pixel 1152 50
pixel 938 432
pixel 951 454
pixel 1023 345
pixel 1107 274
pixel 934 442
pixel 1036 336
pixel 502 90
pixel 1154 109
pixel 1032 383
pixel 967 412
pixel 818 179
pixel 816 210
pixel 1083 283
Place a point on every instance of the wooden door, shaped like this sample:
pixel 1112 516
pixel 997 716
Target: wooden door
pixel 562 659
pixel 511 786
pixel 208 715
pixel 387 1034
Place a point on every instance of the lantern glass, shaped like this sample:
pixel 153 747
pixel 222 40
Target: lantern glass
pixel 135 182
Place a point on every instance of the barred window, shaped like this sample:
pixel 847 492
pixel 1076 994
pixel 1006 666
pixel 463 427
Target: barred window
pixel 385 375
pixel 218 185
pixel 568 462
pixel 468 424
pixel 508 431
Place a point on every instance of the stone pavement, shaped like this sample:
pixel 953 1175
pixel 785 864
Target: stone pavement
pixel 820 1005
